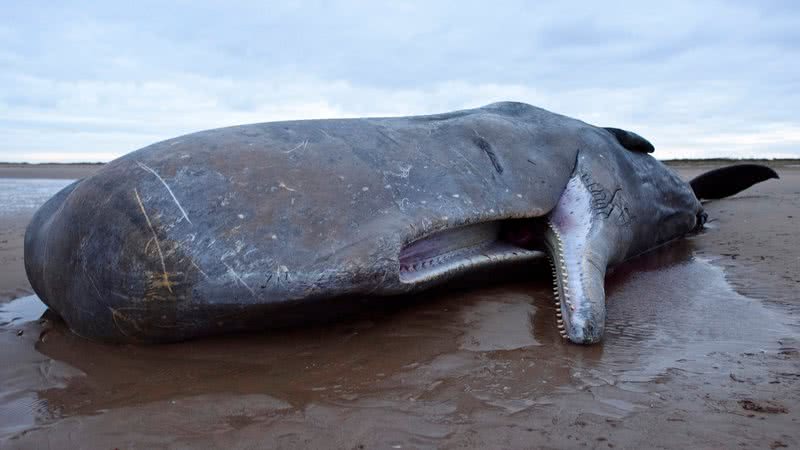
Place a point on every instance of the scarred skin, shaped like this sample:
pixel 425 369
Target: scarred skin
pixel 226 230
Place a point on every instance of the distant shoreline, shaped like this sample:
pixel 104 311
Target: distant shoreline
pixel 26 164
pixel 731 160
pixel 68 171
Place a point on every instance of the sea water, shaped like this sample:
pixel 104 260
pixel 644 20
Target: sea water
pixel 22 194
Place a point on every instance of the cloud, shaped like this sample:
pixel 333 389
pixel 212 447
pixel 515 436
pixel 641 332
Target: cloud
pixel 86 81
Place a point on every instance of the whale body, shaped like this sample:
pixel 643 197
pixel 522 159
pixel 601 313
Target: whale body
pixel 221 230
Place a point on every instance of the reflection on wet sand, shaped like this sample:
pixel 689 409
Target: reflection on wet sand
pixel 448 368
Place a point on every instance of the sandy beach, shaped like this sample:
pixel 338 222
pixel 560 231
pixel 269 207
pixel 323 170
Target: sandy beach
pixel 702 351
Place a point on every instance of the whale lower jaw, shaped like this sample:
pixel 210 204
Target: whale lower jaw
pixel 457 250
pixel 573 236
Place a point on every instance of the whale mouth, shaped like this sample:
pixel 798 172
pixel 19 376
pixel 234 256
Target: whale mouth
pixel 456 250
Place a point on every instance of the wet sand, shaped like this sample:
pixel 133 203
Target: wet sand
pixel 702 351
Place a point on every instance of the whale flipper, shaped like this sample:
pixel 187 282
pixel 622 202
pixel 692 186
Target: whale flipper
pixel 727 181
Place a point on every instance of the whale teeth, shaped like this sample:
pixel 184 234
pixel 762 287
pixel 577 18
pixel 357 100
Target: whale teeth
pixel 558 267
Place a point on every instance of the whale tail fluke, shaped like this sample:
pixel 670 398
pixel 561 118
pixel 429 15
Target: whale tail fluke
pixel 727 181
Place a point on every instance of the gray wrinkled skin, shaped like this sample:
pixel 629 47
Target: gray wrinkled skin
pixel 225 230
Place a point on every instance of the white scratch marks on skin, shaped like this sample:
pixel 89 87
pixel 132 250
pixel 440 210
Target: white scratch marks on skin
pixel 284 186
pixel 147 246
pixel 239 279
pixel 122 296
pixel 403 172
pixel 299 146
pixel 472 167
pixel 49 231
pixel 418 150
pixel 402 203
pixel 155 238
pixel 145 167
pixel 198 268
pixel 94 286
pixel 114 315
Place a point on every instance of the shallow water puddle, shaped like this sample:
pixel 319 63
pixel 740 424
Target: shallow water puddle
pixel 21 310
pixel 19 194
pixel 414 375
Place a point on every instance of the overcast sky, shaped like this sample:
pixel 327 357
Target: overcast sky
pixel 92 81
